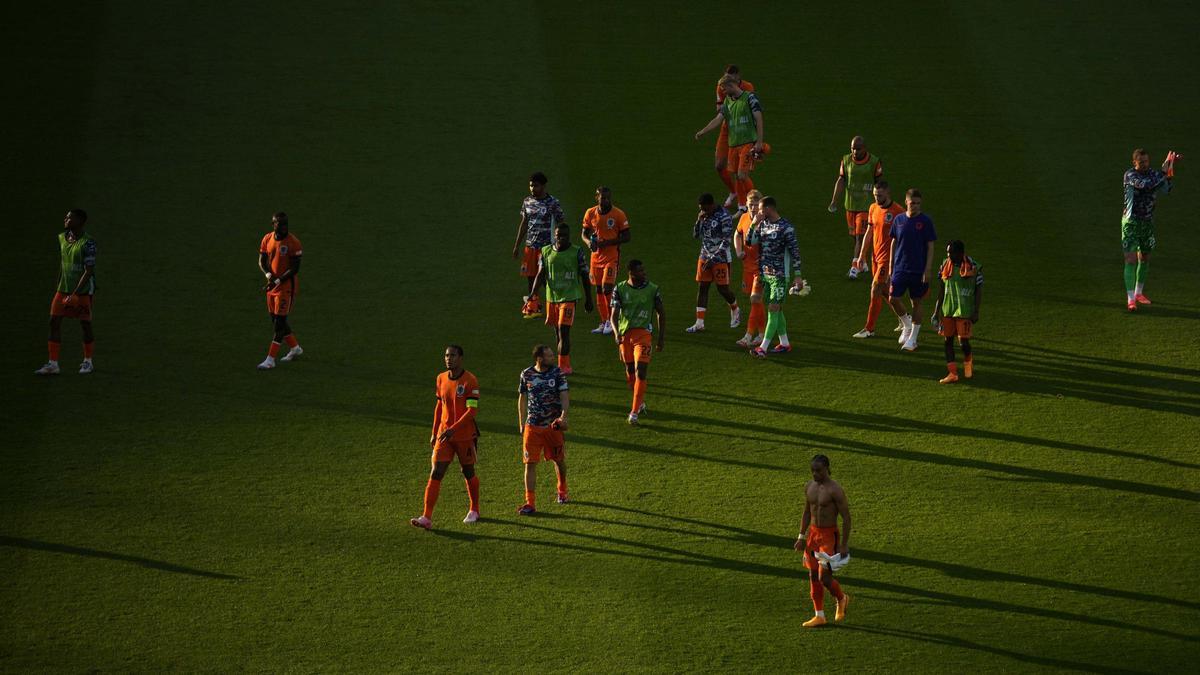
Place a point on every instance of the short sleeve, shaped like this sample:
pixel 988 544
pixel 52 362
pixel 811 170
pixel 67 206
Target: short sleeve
pixel 297 248
pixel 262 248
pixel 472 388
pixel 930 233
pixel 624 224
pixel 522 386
pixel 878 168
pixel 583 261
pixel 755 106
pixel 89 252
pixel 562 383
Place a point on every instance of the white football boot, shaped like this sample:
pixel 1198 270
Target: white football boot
pixel 293 353
pixel 51 368
pixel 86 367
pixel 267 364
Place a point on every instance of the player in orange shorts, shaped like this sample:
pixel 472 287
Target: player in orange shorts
pixel 75 290
pixel 454 434
pixel 279 261
pixel 752 283
pixel 605 228
pixel 722 151
pixel 542 403
pixel 714 229
pixel 876 246
pixel 824 501
pixel 633 303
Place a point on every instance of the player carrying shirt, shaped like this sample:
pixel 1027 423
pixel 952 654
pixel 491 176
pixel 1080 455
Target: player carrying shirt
pixel 742 112
pixel 751 278
pixel 564 269
pixel 824 501
pixel 778 262
pixel 542 404
pixel 454 434
pixel 279 261
pixel 73 296
pixel 539 213
pixel 1142 187
pixel 722 156
pixel 714 229
pixel 633 303
pixel 958 306
pixel 911 252
pixel 857 175
pixel 605 228
pixel 876 247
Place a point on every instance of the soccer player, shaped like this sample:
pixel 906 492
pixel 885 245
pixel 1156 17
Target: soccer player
pixel 824 501
pixel 635 299
pixel 778 261
pixel 279 261
pixel 605 228
pixel 542 404
pixel 454 434
pixel 911 252
pixel 1142 187
pixel 742 113
pixel 958 306
pixel 73 296
pixel 714 229
pixel 876 247
pixel 564 269
pixel 722 157
pixel 751 278
pixel 539 213
pixel 857 175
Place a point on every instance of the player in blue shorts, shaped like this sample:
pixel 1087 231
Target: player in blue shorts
pixel 912 237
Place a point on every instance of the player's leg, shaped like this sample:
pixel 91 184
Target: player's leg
pixel 816 591
pixel 831 583
pixel 466 460
pixel 1143 269
pixel 735 312
pixel 721 163
pixel 703 280
pixel 433 487
pixel 951 360
pixel 560 470
pixel 529 266
pixel 968 354
pixel 276 336
pixel 914 330
pixel 639 389
pixel 89 346
pixel 1131 265
pixel 606 301
pixel 53 342
pixel 564 348
pixel 532 444
pixel 530 489
pixel 739 165
pixel 781 333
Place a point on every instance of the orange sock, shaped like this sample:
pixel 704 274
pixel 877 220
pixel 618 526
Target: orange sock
pixel 700 312
pixel 473 492
pixel 758 319
pixel 837 590
pixel 529 498
pixel 952 367
pixel 873 311
pixel 727 178
pixel 562 481
pixel 817 592
pixel 273 350
pixel 639 394
pixel 291 341
pixel 432 489
pixel 53 348
pixel 88 347
pixel 564 362
pixel 630 378
pixel 604 300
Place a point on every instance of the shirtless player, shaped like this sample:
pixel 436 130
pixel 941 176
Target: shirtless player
pixel 824 500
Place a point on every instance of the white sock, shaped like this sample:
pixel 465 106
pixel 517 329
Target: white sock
pixel 747 337
pixel 53 362
pixel 87 360
pixel 821 613
pixel 1138 288
pixel 906 321
pixel 916 328
pixel 1129 295
pixel 783 341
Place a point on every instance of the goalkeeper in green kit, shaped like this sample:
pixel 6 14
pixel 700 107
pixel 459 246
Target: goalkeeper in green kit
pixel 1142 187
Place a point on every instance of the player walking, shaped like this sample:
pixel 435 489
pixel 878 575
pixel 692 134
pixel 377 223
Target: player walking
pixel 635 299
pixel 911 252
pixel 751 278
pixel 542 404
pixel 714 229
pixel 824 501
pixel 279 261
pixel 742 113
pixel 876 246
pixel 454 434
pixel 540 212
pixel 958 306
pixel 605 228
pixel 73 296
pixel 778 262
pixel 857 175
pixel 722 156
pixel 1142 187
pixel 564 269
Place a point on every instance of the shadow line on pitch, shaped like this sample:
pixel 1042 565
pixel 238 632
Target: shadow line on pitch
pixel 149 563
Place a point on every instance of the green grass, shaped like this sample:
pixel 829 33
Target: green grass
pixel 179 510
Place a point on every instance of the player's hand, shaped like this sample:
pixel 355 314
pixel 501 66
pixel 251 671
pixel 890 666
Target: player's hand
pixel 659 346
pixel 594 245
pixel 588 306
pixel 799 545
pixel 697 135
pixel 516 252
pixel 432 439
pixel 798 284
pixel 67 300
pixel 844 551
pixel 833 207
pixel 560 424
pixel 446 435
pixel 758 147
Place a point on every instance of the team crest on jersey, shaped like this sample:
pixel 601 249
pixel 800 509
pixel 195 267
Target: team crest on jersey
pixel 283 250
pixel 611 223
pixel 460 390
pixel 887 217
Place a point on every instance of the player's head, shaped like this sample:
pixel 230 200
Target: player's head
pixel 768 208
pixel 820 468
pixel 956 251
pixel 753 197
pixel 912 199
pixel 74 219
pixel 537 184
pixel 1141 159
pixel 562 236
pixel 279 223
pixel 453 357
pixel 604 197
pixel 883 193
pixel 637 272
pixel 730 84
pixel 858 147
pixel 733 70
pixel 543 357
pixel 708 203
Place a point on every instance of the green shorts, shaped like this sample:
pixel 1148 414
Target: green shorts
pixel 775 289
pixel 1137 236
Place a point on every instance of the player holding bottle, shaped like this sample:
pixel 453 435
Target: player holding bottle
pixel 564 269
pixel 76 287
pixel 824 501
pixel 454 434
pixel 542 403
pixel 279 261
pixel 605 228
pixel 714 229
pixel 633 302
pixel 958 306
pixel 778 261
pixel 857 175
pixel 1142 187
pixel 540 212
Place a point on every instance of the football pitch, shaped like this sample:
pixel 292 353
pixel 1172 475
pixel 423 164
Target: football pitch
pixel 179 510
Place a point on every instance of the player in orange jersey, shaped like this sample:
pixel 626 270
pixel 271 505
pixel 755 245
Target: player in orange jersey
pixel 722 157
pixel 605 228
pixel 824 501
pixel 454 434
pixel 875 247
pixel 279 260
pixel 751 275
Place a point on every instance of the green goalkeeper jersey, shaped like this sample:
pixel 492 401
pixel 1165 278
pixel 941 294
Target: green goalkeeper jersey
pixel 636 304
pixel 565 271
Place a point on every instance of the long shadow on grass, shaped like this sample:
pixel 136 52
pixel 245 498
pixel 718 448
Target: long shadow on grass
pixel 744 536
pixel 603 545
pixel 961 643
pixel 33 545
pixel 1158 309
